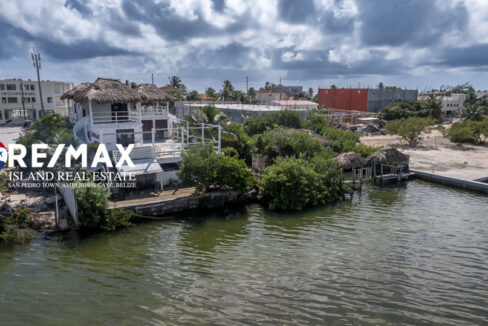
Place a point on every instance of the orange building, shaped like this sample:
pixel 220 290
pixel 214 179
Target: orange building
pixel 344 98
pixel 363 99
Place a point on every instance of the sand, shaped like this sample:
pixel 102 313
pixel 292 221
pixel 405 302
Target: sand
pixel 438 155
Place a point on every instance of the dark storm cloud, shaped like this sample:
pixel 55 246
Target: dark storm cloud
pixel 173 27
pixel 80 6
pixel 415 22
pixel 293 11
pixel 12 40
pixel 317 66
pixel 79 50
pixel 471 56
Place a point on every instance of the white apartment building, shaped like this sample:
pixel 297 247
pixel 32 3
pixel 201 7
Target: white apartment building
pixel 20 99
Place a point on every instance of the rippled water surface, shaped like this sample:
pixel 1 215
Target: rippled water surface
pixel 416 254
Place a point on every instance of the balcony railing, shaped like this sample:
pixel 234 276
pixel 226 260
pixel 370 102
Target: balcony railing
pixel 150 110
pixel 116 117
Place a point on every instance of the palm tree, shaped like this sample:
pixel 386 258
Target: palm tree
pixel 473 113
pixel 175 81
pixel 310 92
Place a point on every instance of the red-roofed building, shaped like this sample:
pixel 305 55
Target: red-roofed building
pixel 167 88
pixel 205 97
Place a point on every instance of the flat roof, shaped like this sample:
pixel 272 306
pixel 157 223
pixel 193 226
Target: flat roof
pixel 247 107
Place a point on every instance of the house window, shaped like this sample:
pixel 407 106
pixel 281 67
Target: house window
pixel 12 100
pixel 11 87
pixel 26 99
pixel 2 87
pixel 32 87
pixel 49 100
pixel 4 100
pixel 33 99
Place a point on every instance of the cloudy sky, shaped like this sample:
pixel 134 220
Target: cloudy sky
pixel 409 43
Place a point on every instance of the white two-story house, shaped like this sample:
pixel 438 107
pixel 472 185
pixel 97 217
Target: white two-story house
pixel 110 112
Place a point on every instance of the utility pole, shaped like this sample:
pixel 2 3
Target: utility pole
pixel 247 88
pixel 23 101
pixel 36 59
pixel 152 79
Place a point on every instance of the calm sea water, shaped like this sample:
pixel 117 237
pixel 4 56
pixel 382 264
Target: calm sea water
pixel 414 254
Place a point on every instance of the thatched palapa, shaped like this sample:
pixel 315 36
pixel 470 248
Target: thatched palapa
pixel 150 93
pixel 104 90
pixel 78 88
pixel 350 160
pixel 388 155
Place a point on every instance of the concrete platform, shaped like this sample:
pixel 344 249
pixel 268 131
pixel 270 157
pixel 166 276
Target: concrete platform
pixel 453 180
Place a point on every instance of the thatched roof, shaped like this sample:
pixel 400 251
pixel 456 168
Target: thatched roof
pixel 350 160
pixel 78 88
pixel 150 93
pixel 321 139
pixel 388 155
pixel 104 90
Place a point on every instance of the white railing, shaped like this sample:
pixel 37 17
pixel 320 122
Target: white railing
pixel 116 117
pixel 150 110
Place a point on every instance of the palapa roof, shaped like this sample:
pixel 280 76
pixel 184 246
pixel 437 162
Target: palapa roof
pixel 388 155
pixel 350 160
pixel 150 93
pixel 78 88
pixel 103 90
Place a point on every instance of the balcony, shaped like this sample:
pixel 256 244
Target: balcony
pixel 115 117
pixel 151 110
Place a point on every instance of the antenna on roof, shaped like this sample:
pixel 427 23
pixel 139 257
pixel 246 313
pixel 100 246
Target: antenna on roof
pixel 152 79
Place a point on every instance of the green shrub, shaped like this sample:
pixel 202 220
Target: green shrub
pixel 292 183
pixel 116 218
pixel 230 151
pixel 409 129
pixel 17 228
pixel 469 132
pixel 285 118
pixel 93 210
pixel 240 141
pixel 204 168
pixel 287 142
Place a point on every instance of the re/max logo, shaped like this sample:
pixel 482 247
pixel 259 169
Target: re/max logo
pixel 16 154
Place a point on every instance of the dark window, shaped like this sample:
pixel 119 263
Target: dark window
pixel 32 87
pixel 2 87
pixel 33 99
pixel 49 100
pixel 170 167
pixel 4 100
pixel 26 99
pixel 12 100
pixel 11 87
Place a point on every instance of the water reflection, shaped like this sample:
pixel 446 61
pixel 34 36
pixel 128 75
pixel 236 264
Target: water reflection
pixel 396 255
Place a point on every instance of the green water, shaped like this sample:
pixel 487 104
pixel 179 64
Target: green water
pixel 416 254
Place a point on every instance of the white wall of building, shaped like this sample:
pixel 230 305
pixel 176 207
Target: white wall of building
pixel 11 98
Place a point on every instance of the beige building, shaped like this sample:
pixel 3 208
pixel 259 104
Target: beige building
pixel 267 96
pixel 20 99
pixel 452 104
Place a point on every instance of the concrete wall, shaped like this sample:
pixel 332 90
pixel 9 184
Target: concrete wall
pixel 379 98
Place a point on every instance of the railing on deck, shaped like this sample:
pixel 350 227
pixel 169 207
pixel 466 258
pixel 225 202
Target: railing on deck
pixel 150 110
pixel 116 117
